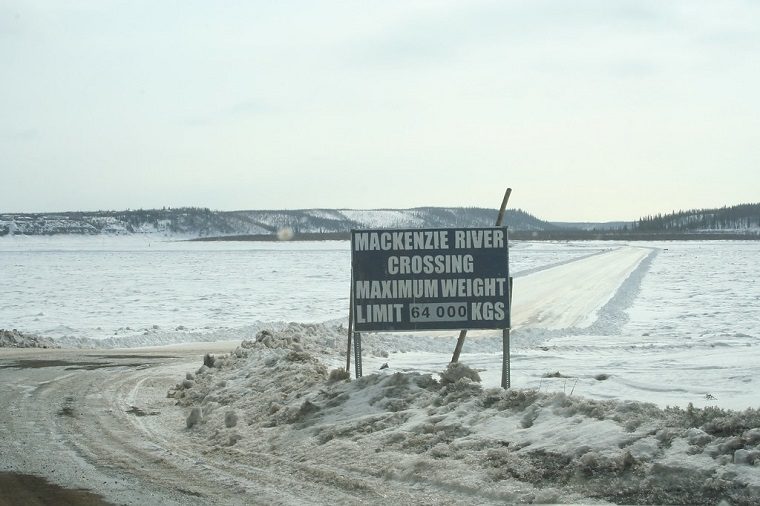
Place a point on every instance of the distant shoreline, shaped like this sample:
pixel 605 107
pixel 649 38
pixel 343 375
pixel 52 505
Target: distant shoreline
pixel 516 235
pixel 740 222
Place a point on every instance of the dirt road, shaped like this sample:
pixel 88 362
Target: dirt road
pixel 101 422
pixel 96 421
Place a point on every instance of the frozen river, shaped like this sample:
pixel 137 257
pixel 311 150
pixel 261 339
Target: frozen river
pixel 680 324
pixel 102 286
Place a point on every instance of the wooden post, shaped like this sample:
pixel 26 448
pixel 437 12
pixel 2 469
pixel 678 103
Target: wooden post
pixel 458 347
pixel 503 209
pixel 499 221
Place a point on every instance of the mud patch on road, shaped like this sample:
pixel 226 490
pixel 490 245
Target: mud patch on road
pixel 69 365
pixel 143 357
pixel 24 489
pixel 189 492
pixel 134 410
pixel 68 408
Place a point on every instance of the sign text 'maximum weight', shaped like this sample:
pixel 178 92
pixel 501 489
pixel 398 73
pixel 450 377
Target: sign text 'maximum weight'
pixel 430 288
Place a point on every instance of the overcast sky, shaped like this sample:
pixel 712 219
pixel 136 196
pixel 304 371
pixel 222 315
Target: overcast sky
pixel 590 110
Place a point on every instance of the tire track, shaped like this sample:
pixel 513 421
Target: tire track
pixel 82 430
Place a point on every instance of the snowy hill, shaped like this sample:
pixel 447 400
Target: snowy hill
pixel 194 222
pixel 203 222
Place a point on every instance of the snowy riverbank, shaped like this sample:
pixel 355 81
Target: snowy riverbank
pixel 15 339
pixel 274 395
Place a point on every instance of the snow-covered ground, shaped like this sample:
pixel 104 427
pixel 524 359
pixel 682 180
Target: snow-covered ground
pixel 668 322
pixel 160 291
pixel 448 435
pixel 606 336
pixel 681 328
pixel 267 422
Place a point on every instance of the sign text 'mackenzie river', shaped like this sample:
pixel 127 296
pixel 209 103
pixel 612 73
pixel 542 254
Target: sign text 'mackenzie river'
pixel 430 279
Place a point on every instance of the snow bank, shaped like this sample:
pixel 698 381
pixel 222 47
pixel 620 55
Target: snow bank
pixel 15 339
pixel 448 432
pixel 156 336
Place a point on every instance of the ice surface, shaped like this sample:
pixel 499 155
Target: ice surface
pixel 672 324
pixel 102 287
pixel 702 345
pixel 109 287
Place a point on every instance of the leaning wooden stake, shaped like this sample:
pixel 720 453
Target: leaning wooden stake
pixel 499 220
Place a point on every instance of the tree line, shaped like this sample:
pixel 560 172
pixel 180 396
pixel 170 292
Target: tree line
pixel 739 217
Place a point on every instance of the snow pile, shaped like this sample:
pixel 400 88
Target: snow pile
pixel 275 396
pixel 156 336
pixel 15 339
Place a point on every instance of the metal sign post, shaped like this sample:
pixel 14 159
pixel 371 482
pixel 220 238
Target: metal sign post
pixel 505 346
pixel 505 358
pixel 350 323
pixel 358 354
